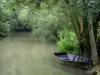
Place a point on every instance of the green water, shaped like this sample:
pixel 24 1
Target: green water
pixel 23 54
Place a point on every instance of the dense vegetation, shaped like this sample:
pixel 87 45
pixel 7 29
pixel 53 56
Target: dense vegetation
pixel 49 20
pixel 85 21
pixel 73 24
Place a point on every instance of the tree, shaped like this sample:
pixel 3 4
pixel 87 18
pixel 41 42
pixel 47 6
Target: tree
pixel 92 39
pixel 78 16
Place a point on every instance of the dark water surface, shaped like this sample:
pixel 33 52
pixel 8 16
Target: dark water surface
pixel 23 54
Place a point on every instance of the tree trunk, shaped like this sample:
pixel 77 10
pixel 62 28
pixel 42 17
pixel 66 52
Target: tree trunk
pixel 92 39
pixel 80 31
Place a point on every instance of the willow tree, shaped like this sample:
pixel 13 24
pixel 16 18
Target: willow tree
pixel 85 24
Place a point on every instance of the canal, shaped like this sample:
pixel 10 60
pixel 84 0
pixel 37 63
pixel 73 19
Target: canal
pixel 24 54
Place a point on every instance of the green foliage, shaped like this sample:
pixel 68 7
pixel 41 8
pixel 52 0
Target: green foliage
pixel 98 35
pixel 23 13
pixel 47 22
pixel 68 42
pixel 24 16
pixel 98 73
pixel 4 26
pixel 44 5
pixel 4 29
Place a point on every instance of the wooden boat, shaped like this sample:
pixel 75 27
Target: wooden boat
pixel 70 57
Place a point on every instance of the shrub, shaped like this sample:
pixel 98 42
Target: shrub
pixel 68 42
pixel 4 26
pixel 4 29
